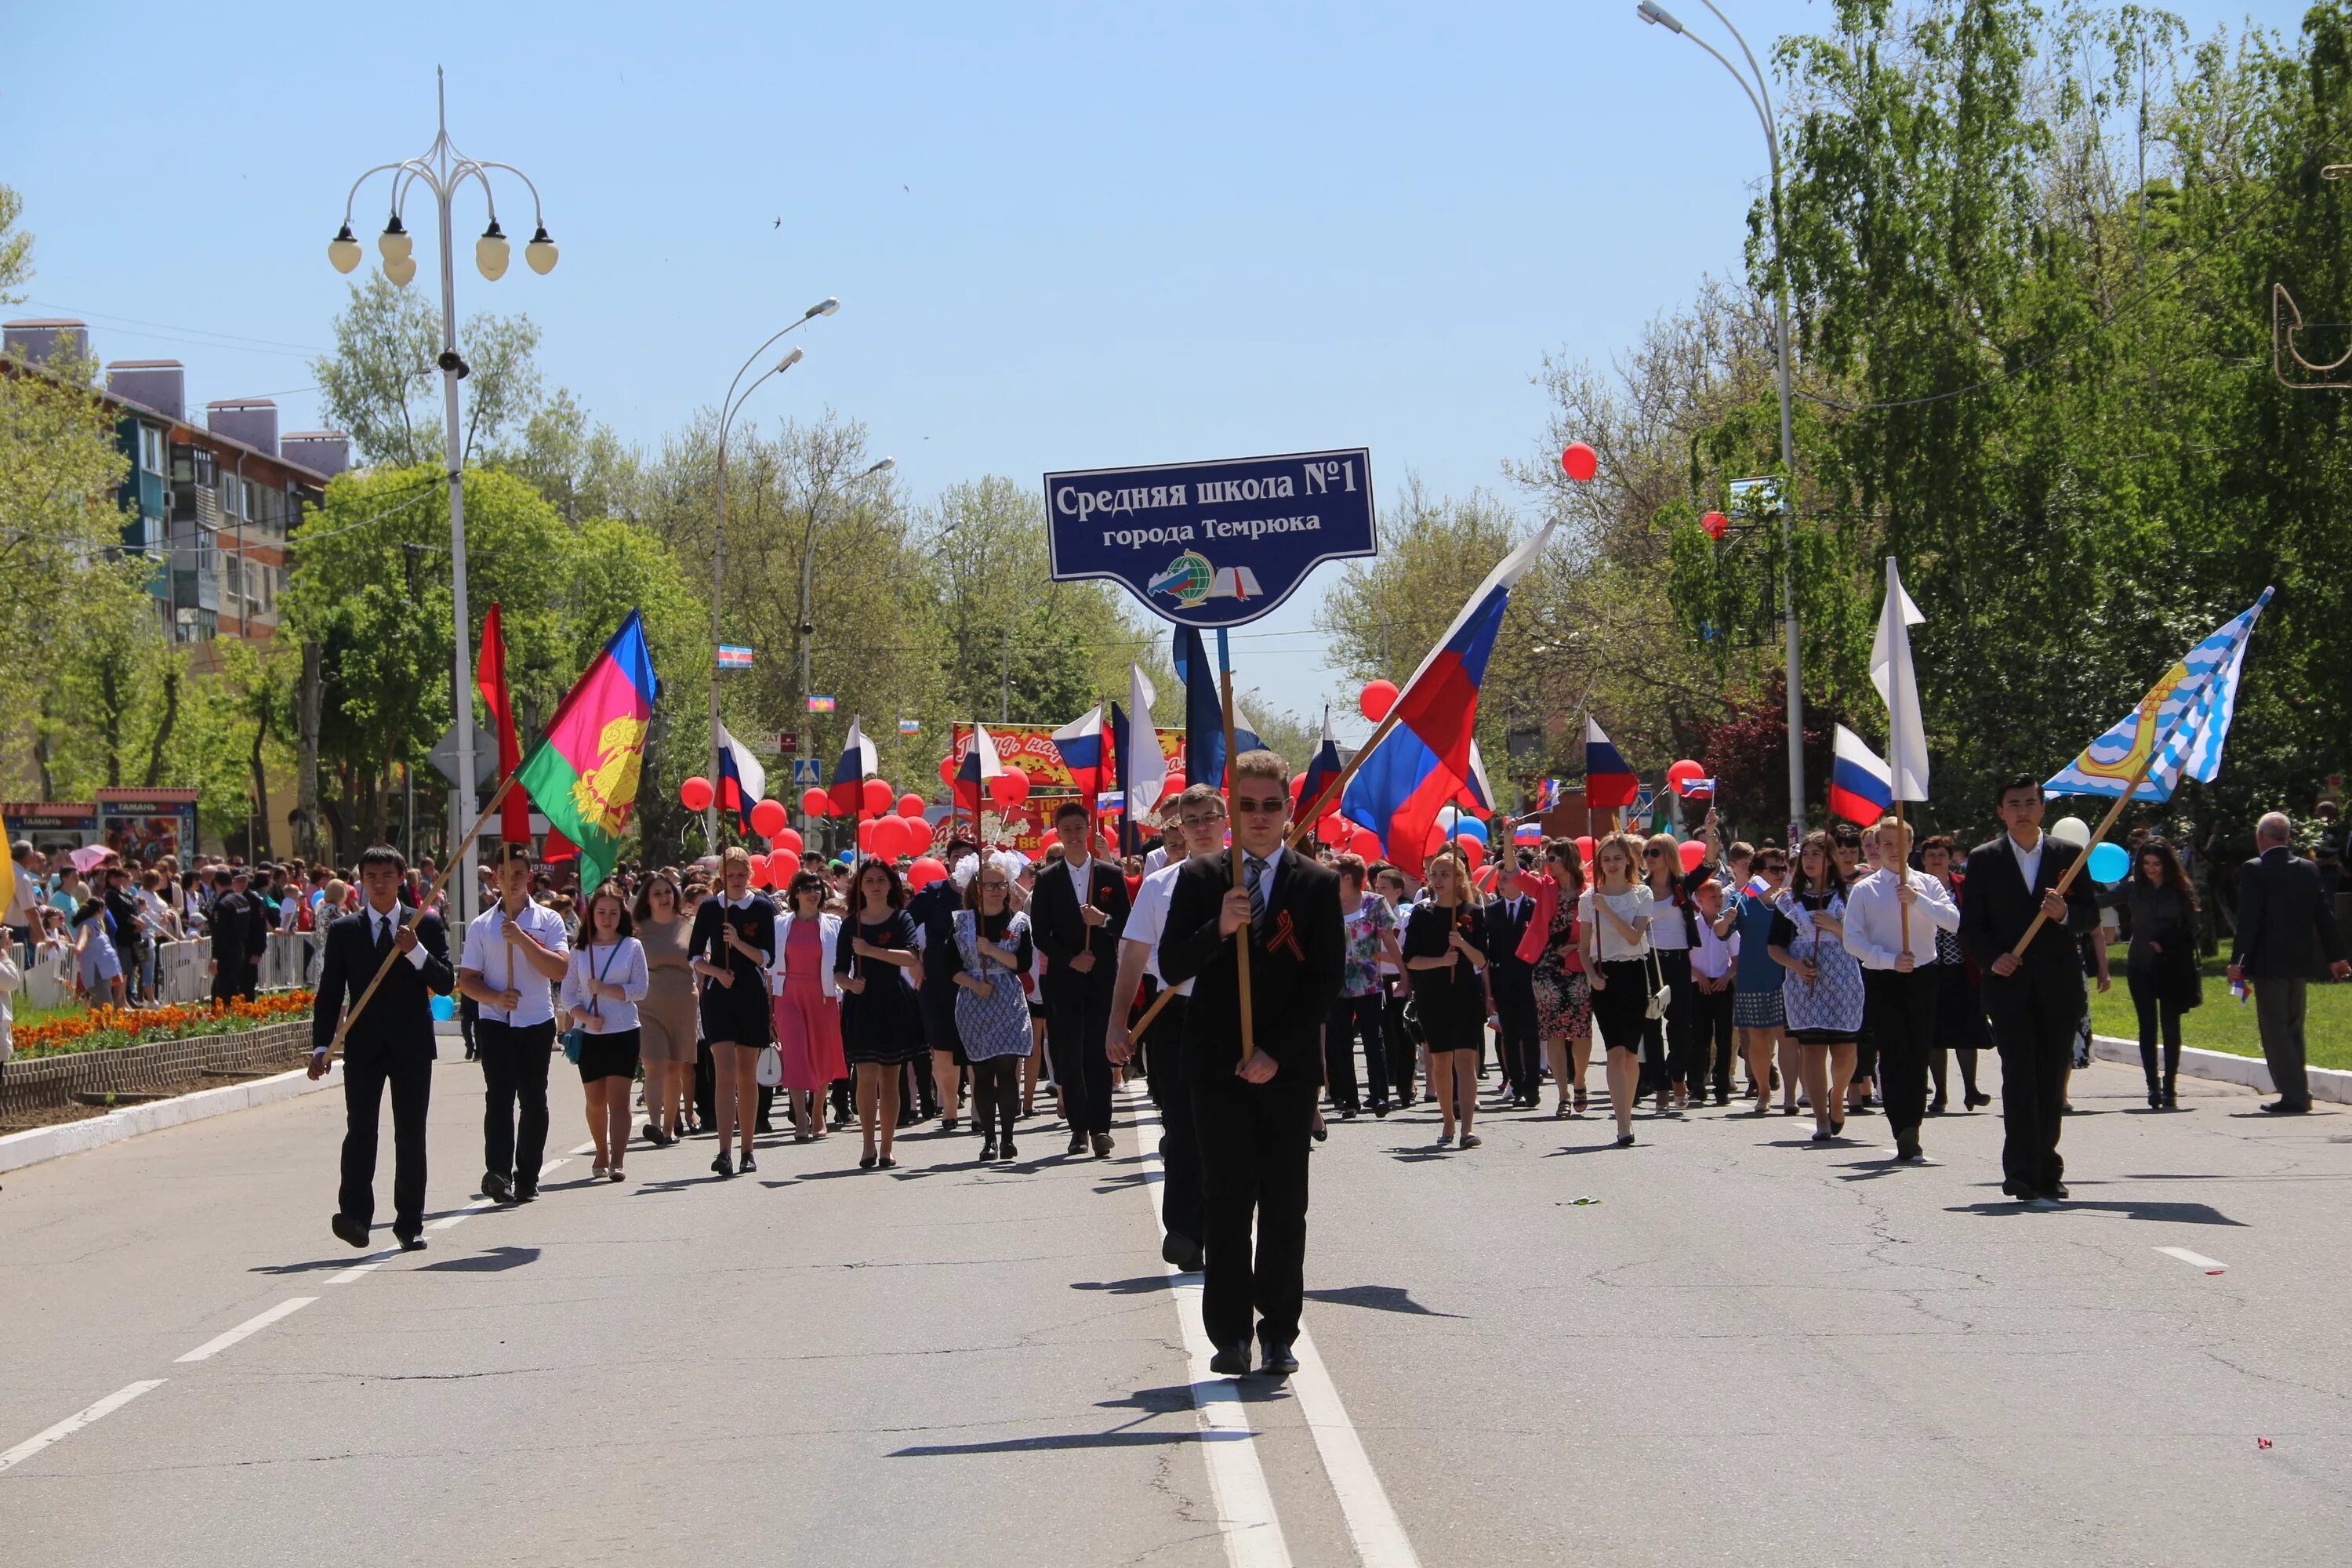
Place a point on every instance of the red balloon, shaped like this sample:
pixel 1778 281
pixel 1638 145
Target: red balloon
pixel 948 770
pixel 1680 773
pixel 1434 842
pixel 1692 852
pixel 1009 788
pixel 879 796
pixel 817 802
pixel 1333 831
pixel 910 805
pixel 1172 786
pixel 924 872
pixel 1485 880
pixel 767 817
pixel 865 838
pixel 695 794
pixel 1472 851
pixel 788 841
pixel 1584 850
pixel 1376 698
pixel 1715 524
pixel 1580 461
pixel 759 871
pixel 1366 844
pixel 885 839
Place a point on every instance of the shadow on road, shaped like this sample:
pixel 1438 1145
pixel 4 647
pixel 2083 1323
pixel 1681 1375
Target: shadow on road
pixel 2171 1214
pixel 1378 1299
pixel 497 1261
pixel 1142 1285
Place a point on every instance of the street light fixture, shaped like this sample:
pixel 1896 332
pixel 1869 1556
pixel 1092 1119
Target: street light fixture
pixel 1760 98
pixel 442 169
pixel 727 407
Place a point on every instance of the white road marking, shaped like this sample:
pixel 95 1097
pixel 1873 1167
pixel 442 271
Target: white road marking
pixel 245 1329
pixel 1379 1535
pixel 2195 1259
pixel 76 1422
pixel 367 1265
pixel 476 1206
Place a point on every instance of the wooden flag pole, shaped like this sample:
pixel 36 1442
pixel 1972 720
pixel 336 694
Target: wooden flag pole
pixel 454 860
pixel 1339 789
pixel 1240 937
pixel 1158 1005
pixel 2098 835
pixel 1902 875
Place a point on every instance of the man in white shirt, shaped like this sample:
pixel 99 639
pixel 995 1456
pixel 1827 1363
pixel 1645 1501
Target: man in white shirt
pixel 1899 976
pixel 24 898
pixel 515 951
pixel 1138 955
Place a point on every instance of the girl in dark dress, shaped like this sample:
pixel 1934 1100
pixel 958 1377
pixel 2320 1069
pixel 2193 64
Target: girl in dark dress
pixel 1446 949
pixel 734 943
pixel 881 1025
pixel 2161 969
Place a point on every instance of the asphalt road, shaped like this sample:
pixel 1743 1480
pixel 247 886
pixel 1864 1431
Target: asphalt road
pixel 1743 1350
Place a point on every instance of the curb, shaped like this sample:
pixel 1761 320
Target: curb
pixel 18 1150
pixel 2331 1084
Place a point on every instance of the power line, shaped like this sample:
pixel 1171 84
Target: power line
pixel 175 327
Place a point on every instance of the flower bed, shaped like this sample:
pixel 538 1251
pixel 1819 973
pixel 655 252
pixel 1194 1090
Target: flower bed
pixel 105 1028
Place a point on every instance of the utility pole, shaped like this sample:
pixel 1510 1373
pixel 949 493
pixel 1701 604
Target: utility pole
pixel 1004 703
pixel 306 766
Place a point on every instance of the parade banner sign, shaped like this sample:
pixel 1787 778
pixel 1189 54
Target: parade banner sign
pixel 1031 749
pixel 1212 544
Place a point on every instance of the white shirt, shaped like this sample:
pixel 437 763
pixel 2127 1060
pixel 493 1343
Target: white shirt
pixel 1713 956
pixel 2029 861
pixel 383 928
pixel 1633 908
pixel 622 964
pixel 1157 859
pixel 1146 919
pixel 487 955
pixel 25 900
pixel 1873 918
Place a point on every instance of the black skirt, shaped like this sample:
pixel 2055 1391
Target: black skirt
pixel 613 1053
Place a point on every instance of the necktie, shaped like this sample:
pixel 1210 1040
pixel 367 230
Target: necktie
pixel 382 934
pixel 1254 873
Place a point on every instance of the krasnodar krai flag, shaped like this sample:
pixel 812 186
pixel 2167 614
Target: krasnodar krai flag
pixel 584 774
pixel 1898 688
pixel 1425 763
pixel 1861 787
pixel 2177 730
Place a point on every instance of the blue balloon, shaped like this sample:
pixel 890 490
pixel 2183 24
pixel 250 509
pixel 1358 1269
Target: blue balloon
pixel 2110 863
pixel 1468 827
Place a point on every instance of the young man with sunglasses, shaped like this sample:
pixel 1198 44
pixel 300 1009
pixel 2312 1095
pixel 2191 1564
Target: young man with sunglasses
pixel 1254 1107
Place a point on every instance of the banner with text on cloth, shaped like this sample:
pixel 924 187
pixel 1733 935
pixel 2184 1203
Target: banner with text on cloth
pixel 1028 828
pixel 1214 544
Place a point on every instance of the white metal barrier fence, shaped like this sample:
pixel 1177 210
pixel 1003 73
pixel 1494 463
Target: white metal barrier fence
pixel 183 970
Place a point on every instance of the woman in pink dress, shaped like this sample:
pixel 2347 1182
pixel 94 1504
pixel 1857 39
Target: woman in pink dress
pixel 807 1005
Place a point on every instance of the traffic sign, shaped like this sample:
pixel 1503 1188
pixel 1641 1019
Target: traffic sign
pixel 807 771
pixel 444 755
pixel 787 743
pixel 1212 544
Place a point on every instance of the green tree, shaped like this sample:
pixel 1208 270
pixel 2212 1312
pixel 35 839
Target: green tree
pixel 381 384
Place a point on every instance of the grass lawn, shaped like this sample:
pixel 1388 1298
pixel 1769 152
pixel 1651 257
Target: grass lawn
pixel 25 1018
pixel 2222 1025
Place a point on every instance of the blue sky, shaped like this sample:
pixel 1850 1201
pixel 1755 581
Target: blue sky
pixel 1065 235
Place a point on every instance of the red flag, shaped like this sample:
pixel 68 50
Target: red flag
pixel 490 675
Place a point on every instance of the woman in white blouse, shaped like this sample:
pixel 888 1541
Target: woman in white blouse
pixel 1614 913
pixel 601 987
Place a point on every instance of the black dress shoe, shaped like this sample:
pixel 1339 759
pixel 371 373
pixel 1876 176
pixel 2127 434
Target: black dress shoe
pixel 1180 1252
pixel 2056 1193
pixel 524 1194
pixel 1278 1361
pixel 413 1242
pixel 2017 1190
pixel 1078 1143
pixel 2287 1107
pixel 497 1189
pixel 1102 1145
pixel 1907 1150
pixel 348 1229
pixel 1230 1361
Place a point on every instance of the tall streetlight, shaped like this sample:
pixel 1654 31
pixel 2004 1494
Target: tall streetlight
pixel 1760 98
pixel 441 169
pixel 808 586
pixel 727 406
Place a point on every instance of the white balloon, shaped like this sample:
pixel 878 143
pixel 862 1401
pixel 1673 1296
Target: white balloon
pixel 2071 830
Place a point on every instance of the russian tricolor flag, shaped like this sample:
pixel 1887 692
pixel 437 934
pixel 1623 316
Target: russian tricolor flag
pixel 857 764
pixel 741 780
pixel 1080 741
pixel 980 765
pixel 1421 758
pixel 1322 771
pixel 1861 786
pixel 1608 781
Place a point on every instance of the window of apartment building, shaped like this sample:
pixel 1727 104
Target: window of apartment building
pixel 152 450
pixel 232 496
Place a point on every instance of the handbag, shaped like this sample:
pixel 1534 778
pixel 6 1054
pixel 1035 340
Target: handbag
pixel 770 1069
pixel 1664 995
pixel 575 1038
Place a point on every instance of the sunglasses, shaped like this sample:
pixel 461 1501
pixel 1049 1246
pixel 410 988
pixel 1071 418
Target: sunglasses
pixel 1771 864
pixel 1654 854
pixel 1273 807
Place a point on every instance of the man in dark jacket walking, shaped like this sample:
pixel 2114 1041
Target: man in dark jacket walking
pixel 2284 924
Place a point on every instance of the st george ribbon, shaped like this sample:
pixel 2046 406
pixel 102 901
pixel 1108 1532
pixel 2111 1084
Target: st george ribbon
pixel 1217 543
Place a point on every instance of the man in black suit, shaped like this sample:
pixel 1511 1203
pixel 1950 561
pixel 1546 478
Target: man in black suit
pixel 2285 923
pixel 231 921
pixel 1256 1112
pixel 2036 1001
pixel 1510 981
pixel 391 1042
pixel 1076 914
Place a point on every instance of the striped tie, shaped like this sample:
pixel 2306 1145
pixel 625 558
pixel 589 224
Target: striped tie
pixel 1256 873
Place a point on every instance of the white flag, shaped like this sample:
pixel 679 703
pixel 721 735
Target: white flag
pixel 1145 765
pixel 1891 672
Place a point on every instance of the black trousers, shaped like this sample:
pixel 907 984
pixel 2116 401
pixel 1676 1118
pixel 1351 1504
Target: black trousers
pixel 1403 1055
pixel 514 1099
pixel 2158 1014
pixel 233 982
pixel 1076 1019
pixel 1365 1015
pixel 1685 1051
pixel 1518 1046
pixel 1253 1142
pixel 1180 1199
pixel 1711 1049
pixel 365 1073
pixel 2034 1013
pixel 1903 1020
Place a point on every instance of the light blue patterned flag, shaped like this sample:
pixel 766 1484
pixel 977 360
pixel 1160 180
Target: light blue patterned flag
pixel 2175 731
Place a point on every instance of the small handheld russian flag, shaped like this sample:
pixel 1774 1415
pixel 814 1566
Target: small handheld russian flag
pixel 1548 795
